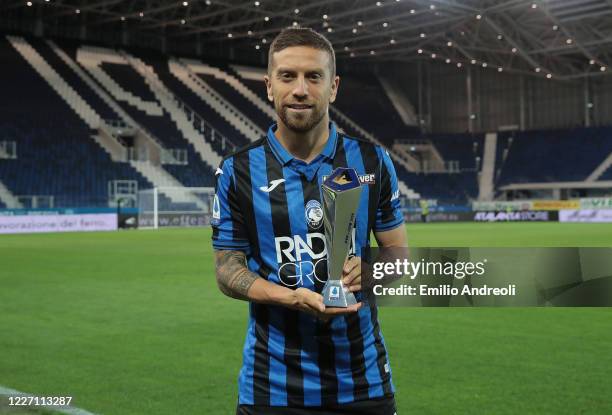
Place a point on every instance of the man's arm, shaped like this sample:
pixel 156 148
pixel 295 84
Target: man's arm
pixel 233 277
pixel 395 238
pixel 237 281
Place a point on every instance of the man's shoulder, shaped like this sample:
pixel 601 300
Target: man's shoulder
pixel 244 150
pixel 369 148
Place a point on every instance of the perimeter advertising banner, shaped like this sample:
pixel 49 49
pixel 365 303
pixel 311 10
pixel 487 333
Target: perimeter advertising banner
pixel 174 219
pixel 555 204
pixel 586 215
pixel 596 203
pixel 58 223
pixel 503 205
pixel 520 216
pixel 440 217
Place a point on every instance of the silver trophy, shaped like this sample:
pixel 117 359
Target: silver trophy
pixel 341 192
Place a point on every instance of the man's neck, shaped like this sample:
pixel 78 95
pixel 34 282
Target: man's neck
pixel 304 146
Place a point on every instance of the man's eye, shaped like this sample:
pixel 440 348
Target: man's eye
pixel 315 76
pixel 286 76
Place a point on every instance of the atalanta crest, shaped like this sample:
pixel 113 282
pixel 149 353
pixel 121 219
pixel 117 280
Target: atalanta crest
pixel 314 214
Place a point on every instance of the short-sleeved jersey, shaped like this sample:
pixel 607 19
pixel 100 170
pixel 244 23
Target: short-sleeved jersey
pixel 268 204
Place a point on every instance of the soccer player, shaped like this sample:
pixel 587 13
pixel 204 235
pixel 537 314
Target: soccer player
pixel 299 356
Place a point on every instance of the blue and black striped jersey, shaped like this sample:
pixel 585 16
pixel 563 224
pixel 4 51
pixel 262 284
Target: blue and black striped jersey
pixel 268 204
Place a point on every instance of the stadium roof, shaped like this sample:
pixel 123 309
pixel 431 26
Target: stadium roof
pixel 563 39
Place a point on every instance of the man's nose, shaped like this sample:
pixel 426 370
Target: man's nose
pixel 301 88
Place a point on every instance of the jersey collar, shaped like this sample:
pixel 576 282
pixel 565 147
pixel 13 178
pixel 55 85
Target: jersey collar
pixel 284 157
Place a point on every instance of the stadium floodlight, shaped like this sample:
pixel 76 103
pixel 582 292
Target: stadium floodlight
pixel 176 207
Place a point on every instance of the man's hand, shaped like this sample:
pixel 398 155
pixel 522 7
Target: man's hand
pixel 312 302
pixel 351 273
pixel 236 281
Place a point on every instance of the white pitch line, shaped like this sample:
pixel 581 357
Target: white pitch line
pixel 68 410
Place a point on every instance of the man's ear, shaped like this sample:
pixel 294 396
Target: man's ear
pixel 334 87
pixel 269 88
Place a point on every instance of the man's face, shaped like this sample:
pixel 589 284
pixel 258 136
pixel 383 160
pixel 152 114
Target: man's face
pixel 301 87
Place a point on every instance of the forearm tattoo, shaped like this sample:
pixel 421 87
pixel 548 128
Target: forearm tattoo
pixel 233 276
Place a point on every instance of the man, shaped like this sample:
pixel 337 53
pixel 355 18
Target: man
pixel 301 357
pixel 424 210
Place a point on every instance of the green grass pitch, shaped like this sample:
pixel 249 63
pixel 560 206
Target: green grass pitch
pixel 132 323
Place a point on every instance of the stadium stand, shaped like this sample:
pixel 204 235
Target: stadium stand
pixel 464 148
pixel 202 108
pixel 239 101
pixel 449 188
pixel 163 96
pixel 607 175
pixel 99 106
pixel 555 155
pixel 187 72
pixel 364 100
pixel 56 155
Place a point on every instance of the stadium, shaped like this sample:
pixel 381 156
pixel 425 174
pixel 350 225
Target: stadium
pixel 116 117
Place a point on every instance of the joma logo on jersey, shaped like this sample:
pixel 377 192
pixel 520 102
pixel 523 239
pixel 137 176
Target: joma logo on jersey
pixel 363 178
pixel 300 262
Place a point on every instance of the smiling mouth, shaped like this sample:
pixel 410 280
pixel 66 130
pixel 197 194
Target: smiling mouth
pixel 299 106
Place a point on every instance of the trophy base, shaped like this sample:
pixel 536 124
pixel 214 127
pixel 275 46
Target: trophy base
pixel 335 294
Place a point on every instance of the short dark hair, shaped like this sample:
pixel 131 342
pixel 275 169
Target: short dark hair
pixel 302 36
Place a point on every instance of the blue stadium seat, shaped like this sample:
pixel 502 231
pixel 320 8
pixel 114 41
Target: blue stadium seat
pixel 57 156
pixel 555 155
